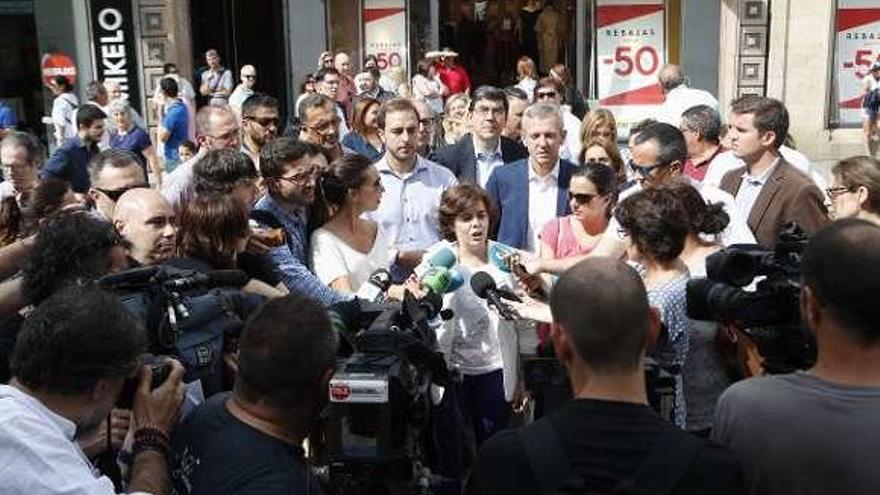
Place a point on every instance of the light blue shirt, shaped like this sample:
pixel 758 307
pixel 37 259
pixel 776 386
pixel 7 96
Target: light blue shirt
pixel 750 188
pixel 487 162
pixel 407 213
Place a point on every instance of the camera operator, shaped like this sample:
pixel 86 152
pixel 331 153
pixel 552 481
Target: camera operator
pixel 607 437
pixel 248 441
pixel 73 357
pixel 146 220
pixel 809 431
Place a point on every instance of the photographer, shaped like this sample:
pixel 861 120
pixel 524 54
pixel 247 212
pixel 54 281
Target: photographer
pixel 608 437
pixel 73 357
pixel 248 441
pixel 808 431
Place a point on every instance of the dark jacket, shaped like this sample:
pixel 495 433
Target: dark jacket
pixel 462 161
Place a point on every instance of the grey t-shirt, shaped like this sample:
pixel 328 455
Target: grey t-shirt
pixel 800 434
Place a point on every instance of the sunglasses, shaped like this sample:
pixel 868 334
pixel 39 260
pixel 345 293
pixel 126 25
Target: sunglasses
pixel 581 199
pixel 644 171
pixel 265 121
pixel 545 94
pixel 115 194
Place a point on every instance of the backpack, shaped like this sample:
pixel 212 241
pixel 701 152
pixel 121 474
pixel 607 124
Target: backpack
pixel 658 474
pixel 871 100
pixel 196 327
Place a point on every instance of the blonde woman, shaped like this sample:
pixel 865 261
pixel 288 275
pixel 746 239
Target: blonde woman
pixel 527 75
pixel 455 118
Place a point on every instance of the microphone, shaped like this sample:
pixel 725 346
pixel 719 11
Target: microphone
pixel 456 280
pixel 484 287
pixel 443 256
pixel 508 260
pixel 375 287
pixel 209 279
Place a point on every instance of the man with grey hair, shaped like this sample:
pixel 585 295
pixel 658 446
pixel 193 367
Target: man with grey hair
pixel 701 127
pixel 320 125
pixel 531 192
pixel 679 97
pixel 112 174
pixel 22 154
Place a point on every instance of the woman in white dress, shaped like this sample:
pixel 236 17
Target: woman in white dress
pixel 347 248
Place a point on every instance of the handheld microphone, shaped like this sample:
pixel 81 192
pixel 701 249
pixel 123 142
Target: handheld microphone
pixel 375 287
pixel 456 280
pixel 508 260
pixel 442 257
pixel 437 280
pixel 484 287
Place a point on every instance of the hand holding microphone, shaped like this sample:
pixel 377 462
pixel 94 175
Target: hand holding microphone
pixel 484 287
pixel 375 288
pixel 508 260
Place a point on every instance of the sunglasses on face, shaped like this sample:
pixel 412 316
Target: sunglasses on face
pixel 644 171
pixel 265 121
pixel 581 198
pixel 115 194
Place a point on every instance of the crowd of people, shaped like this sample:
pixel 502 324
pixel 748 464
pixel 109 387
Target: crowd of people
pixel 599 239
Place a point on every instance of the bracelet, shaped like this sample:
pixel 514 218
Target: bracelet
pixel 149 438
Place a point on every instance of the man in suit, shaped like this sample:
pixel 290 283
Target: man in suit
pixel 531 192
pixel 473 158
pixel 769 191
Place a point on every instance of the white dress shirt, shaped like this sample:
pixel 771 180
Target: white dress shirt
pixel 727 161
pixel 543 193
pixel 38 453
pixel 487 162
pixel 750 188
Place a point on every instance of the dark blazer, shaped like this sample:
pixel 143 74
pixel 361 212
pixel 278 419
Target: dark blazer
pixel 461 160
pixel 789 195
pixel 508 187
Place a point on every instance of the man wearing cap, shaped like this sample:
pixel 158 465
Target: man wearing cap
pixel 451 74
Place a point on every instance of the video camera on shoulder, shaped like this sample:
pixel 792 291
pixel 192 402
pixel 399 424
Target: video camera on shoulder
pixel 769 314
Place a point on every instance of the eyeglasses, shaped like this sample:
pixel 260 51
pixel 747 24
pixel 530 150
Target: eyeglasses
pixel 834 192
pixel 301 178
pixel 324 127
pixel 226 136
pixel 115 194
pixel 545 94
pixel 490 111
pixel 581 198
pixel 427 121
pixel 248 76
pixel 264 122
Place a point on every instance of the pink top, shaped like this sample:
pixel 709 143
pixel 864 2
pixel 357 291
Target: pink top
pixel 558 235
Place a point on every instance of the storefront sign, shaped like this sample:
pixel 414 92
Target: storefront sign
pixel 57 64
pixel 113 39
pixel 858 48
pixel 630 50
pixel 385 32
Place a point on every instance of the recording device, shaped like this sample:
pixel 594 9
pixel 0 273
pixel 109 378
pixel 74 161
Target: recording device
pixel 484 287
pixel 509 260
pixel 769 315
pixel 380 395
pixel 376 286
pixel 160 368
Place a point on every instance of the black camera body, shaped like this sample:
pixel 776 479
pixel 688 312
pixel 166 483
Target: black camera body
pixel 160 368
pixel 380 395
pixel 769 315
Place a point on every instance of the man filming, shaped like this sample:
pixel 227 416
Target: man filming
pixel 809 431
pixel 607 437
pixel 71 361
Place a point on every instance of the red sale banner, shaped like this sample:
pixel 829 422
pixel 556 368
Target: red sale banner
pixel 630 49
pixel 385 32
pixel 858 47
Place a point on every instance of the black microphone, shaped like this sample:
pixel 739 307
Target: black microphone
pixel 209 279
pixel 134 277
pixel 484 287
pixel 375 287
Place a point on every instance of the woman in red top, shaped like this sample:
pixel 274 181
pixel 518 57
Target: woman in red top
pixel 451 74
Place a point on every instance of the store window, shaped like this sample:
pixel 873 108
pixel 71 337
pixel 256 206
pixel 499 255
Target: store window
pixel 856 49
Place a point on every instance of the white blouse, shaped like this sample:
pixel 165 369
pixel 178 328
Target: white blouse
pixel 331 258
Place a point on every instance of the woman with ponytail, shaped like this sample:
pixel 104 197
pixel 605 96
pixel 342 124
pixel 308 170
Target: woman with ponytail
pixel 347 248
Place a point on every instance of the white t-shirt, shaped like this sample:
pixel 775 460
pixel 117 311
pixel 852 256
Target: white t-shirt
pixel 332 258
pixel 680 99
pixel 63 108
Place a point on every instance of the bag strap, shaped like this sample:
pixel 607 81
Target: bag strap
pixel 548 461
pixel 667 462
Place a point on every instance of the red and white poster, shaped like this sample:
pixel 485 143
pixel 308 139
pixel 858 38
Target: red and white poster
pixel 858 47
pixel 57 64
pixel 385 32
pixel 630 50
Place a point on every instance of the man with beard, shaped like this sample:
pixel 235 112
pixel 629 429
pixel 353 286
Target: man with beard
pixel 146 220
pixel 413 185
pixel 70 161
pixel 250 440
pixel 320 125
pixel 70 364
pixel 259 123
pixel 327 83
pixel 290 169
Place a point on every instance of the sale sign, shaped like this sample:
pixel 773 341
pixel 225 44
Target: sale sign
pixel 630 50
pixel 385 32
pixel 858 48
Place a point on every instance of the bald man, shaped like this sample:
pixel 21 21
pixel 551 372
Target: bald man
pixel 679 97
pixel 146 220
pixel 245 88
